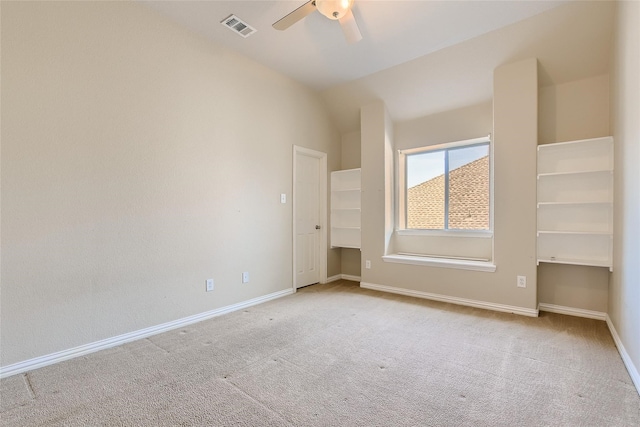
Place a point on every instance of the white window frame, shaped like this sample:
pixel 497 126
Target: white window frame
pixel 401 189
pixel 450 248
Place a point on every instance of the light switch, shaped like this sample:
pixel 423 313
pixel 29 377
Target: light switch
pixel 283 198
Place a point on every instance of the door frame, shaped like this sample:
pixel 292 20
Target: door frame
pixel 322 253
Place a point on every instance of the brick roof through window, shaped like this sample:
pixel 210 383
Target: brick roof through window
pixel 468 199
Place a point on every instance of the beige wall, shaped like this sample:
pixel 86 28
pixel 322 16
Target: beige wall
pixel 138 160
pixel 373 118
pixel 474 121
pixel 574 286
pixel 574 110
pixel 515 139
pixel 624 291
pixel 351 150
pixel 567 112
pixel 351 261
pixel 515 121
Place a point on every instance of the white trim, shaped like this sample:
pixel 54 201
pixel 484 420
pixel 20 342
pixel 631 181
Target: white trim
pixel 400 189
pixel 628 363
pixel 460 264
pixel 492 205
pixel 571 311
pixel 60 356
pixel 343 277
pixel 479 234
pixel 580 141
pixel 323 211
pixel 349 170
pixel 453 300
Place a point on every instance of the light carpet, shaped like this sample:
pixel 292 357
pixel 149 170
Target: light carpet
pixel 339 355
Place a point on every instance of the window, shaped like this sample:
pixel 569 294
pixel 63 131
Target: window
pixel 443 207
pixel 446 187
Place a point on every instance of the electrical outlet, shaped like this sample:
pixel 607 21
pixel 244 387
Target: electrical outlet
pixel 522 281
pixel 367 264
pixel 245 277
pixel 209 285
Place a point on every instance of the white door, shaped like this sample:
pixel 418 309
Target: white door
pixel 309 211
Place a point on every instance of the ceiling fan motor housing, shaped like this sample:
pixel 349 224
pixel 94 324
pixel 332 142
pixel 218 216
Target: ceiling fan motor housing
pixel 334 9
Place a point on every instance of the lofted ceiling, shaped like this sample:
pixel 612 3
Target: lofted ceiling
pixel 420 56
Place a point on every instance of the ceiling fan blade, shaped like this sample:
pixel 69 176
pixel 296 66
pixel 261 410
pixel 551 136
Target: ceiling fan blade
pixel 295 16
pixel 350 28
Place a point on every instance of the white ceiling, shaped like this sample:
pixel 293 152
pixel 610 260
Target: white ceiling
pixel 314 51
pixel 421 57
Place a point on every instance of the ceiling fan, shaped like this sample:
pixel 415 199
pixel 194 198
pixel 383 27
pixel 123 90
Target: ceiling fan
pixel 339 10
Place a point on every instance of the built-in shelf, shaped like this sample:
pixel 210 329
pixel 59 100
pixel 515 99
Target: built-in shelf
pixel 591 263
pixel 586 172
pixel 584 233
pixel 575 202
pixel 345 208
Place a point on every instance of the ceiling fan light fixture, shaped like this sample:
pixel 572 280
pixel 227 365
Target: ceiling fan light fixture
pixel 334 9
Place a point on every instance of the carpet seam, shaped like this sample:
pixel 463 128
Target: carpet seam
pixel 291 423
pixel 27 383
pixel 156 345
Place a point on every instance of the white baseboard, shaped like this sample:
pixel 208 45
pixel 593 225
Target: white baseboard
pixel 628 363
pixel 343 277
pixel 570 311
pixel 453 300
pixel 50 359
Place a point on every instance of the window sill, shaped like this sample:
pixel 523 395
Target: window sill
pixel 480 234
pixel 460 264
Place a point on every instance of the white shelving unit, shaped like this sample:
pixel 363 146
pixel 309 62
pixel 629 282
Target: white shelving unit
pixel 575 202
pixel 345 208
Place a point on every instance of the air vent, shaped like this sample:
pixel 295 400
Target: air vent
pixel 237 25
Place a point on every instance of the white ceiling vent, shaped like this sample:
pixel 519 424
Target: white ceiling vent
pixel 237 25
